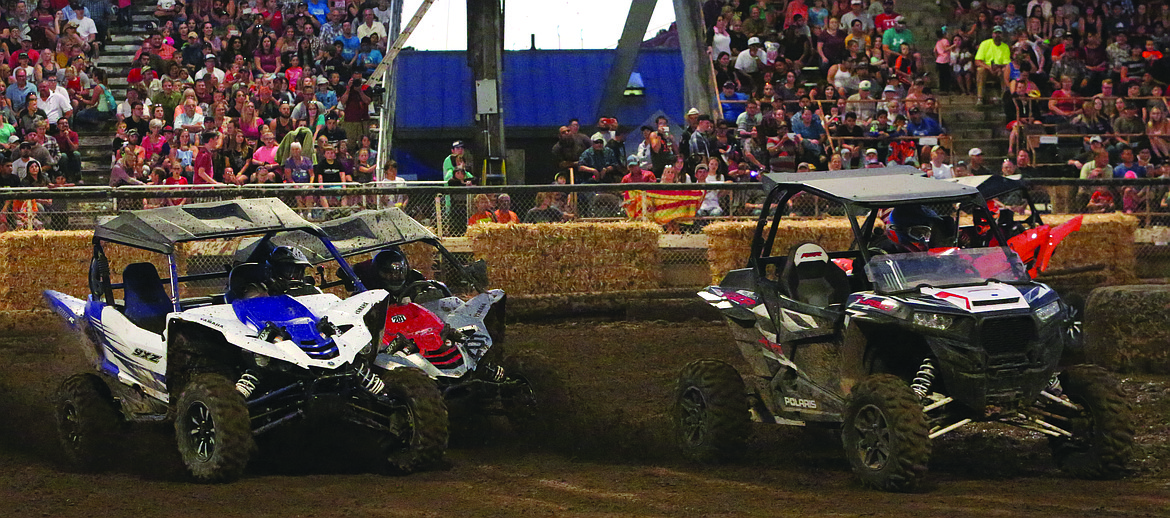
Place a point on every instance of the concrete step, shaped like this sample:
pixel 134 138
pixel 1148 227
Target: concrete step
pixel 121 49
pixel 121 37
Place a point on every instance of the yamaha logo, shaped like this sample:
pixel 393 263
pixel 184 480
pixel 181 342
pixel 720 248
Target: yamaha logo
pixel 398 319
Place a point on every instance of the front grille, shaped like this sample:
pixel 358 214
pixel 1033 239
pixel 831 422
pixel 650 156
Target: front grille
pixel 1011 335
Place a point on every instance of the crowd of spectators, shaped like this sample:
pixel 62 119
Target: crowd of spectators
pixel 848 84
pixel 243 92
pixel 802 87
pixel 268 91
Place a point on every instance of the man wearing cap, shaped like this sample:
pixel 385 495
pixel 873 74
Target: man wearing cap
pixel 701 146
pixel 857 12
pixel 333 132
pixel 749 63
pixel 920 125
pixel 731 110
pixel 209 70
pixel 977 167
pixel 886 20
pixel 862 103
pixel 871 159
pixel 636 174
pixel 991 62
pixel 598 162
pixel 192 53
pixel 455 159
pixel 18 91
pixel 894 37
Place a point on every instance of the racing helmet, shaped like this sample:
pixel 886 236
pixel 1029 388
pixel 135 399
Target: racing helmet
pixel 286 267
pixel 912 226
pixel 392 268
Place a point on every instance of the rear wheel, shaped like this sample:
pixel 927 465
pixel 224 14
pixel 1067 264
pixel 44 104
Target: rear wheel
pixel 418 434
pixel 213 429
pixel 711 412
pixel 885 434
pixel 1102 440
pixel 87 421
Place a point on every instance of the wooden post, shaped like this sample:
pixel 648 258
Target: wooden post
pixel 698 76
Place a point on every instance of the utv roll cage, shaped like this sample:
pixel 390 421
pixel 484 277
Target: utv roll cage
pixel 860 192
pixel 162 230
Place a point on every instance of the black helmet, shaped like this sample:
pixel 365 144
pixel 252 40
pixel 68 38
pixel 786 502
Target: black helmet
pixel 286 266
pixel 912 226
pixel 392 268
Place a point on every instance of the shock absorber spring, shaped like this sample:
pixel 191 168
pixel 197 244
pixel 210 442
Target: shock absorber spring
pixel 247 384
pixel 923 379
pixel 370 380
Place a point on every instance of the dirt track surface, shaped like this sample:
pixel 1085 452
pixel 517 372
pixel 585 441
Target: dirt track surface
pixel 618 460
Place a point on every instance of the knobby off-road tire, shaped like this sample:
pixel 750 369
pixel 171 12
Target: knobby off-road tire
pixel 539 406
pixel 88 421
pixel 213 429
pixel 711 412
pixel 1103 431
pixel 423 440
pixel 885 434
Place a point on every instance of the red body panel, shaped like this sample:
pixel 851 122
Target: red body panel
pixel 425 328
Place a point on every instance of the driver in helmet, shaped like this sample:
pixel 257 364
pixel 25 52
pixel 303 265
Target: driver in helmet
pixel 389 270
pixel 286 272
pixel 910 228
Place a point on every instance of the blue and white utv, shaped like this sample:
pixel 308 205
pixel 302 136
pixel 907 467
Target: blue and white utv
pixel 238 350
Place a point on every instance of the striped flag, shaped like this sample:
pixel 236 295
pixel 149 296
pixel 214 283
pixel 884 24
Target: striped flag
pixel 662 206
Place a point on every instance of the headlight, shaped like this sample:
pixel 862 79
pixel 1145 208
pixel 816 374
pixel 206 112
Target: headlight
pixel 933 321
pixel 1046 312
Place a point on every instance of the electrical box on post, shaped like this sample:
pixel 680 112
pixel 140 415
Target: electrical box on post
pixel 485 97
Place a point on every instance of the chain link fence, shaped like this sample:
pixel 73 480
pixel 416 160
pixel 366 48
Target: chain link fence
pixel 683 210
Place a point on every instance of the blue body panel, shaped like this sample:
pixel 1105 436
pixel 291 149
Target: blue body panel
pixel 286 313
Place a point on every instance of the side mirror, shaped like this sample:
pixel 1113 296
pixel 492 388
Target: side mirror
pixel 478 272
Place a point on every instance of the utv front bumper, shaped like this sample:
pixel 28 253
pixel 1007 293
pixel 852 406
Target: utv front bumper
pixel 1008 360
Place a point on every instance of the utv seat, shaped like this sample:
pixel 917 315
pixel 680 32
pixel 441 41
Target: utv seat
pixel 810 277
pixel 147 303
pixel 246 280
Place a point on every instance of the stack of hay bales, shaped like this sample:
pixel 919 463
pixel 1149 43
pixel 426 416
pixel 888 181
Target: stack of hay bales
pixel 569 257
pixel 729 243
pixel 1103 239
pixel 35 261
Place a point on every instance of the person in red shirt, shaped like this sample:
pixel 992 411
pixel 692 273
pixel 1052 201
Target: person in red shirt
pixel 176 179
pixel 204 171
pixel 886 20
pixel 357 109
pixel 1064 102
pixel 1151 53
pixel 69 143
pixel 636 173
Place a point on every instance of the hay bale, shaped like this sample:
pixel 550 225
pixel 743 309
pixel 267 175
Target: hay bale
pixel 1127 328
pixel 569 257
pixel 1103 239
pixel 729 243
pixel 34 261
